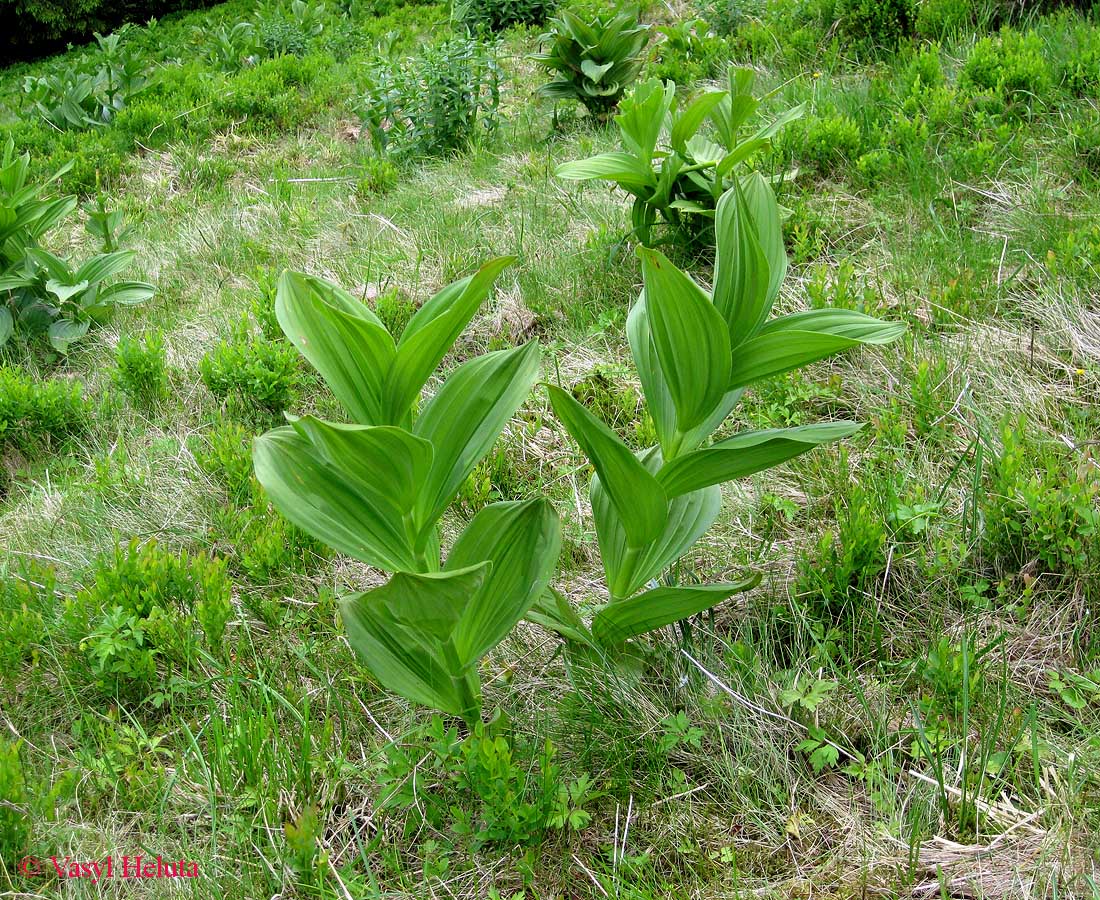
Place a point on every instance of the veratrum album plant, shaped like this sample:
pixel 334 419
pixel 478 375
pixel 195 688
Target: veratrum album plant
pixel 696 352
pixel 678 161
pixel 376 488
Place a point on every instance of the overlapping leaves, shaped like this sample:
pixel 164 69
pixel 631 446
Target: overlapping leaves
pixel 375 489
pixel 677 161
pixel 695 351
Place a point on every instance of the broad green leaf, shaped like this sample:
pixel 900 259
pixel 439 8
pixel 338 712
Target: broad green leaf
pixel 430 333
pixel 522 540
pixel 841 322
pixel 741 272
pixel 104 266
pixel 7 325
pixel 745 454
pixel 762 206
pixel 594 71
pixel 63 291
pixel 690 338
pixel 658 399
pixel 644 113
pixel 554 613
pixel 125 293
pixel 794 341
pixel 630 172
pixel 341 338
pixel 466 416
pixel 431 604
pixel 347 515
pixel 55 267
pixel 656 608
pixel 628 569
pixel 687 123
pixel 638 499
pixel 394 654
pixel 386 460
pixel 64 332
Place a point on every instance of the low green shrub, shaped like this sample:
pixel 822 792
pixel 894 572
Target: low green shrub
pixel 15 818
pixel 252 371
pixel 825 143
pixel 939 19
pixel 142 367
pixel 288 30
pixel 496 15
pixel 142 606
pixel 876 23
pixel 687 53
pixel 435 103
pixel 38 414
pixel 481 793
pixel 1039 504
pixel 26 605
pixel 225 455
pixel 1011 65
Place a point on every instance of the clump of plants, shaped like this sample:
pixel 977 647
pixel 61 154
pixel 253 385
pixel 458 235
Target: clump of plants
pixel 36 413
pixel 696 352
pixel 593 60
pixel 677 161
pixel 435 103
pixel 41 294
pixel 93 91
pixel 496 15
pixel 376 488
pixel 881 24
pixel 251 371
pixel 1010 65
pixel 142 367
pixel 687 53
pixel 139 614
pixel 484 789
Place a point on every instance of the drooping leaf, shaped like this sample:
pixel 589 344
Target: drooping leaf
pixel 794 341
pixel 638 499
pixel 7 325
pixel 624 619
pixel 64 332
pixel 382 458
pixel 350 516
pixel 400 657
pixel 627 170
pixel 745 454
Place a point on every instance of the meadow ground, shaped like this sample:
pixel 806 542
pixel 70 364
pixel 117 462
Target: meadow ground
pixel 907 705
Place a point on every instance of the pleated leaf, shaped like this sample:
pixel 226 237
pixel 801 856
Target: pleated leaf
pixel 432 332
pixel 522 540
pixel 466 416
pixel 341 338
pixel 747 453
pixel 639 501
pixel 690 337
pixel 624 619
pixel 350 516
